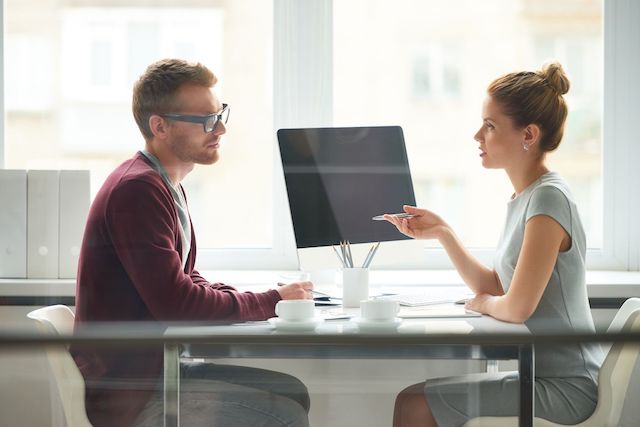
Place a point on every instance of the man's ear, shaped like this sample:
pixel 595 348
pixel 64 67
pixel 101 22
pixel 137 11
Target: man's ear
pixel 532 134
pixel 158 126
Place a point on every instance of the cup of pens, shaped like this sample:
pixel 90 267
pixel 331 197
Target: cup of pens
pixel 355 286
pixel 355 280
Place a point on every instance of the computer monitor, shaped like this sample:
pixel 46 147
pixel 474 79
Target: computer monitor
pixel 337 179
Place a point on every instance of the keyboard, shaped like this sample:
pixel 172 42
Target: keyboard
pixel 428 297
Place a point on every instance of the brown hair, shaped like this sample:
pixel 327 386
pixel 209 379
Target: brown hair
pixel 155 91
pixel 535 98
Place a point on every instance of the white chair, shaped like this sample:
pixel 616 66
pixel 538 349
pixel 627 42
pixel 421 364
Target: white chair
pixel 613 379
pixel 58 320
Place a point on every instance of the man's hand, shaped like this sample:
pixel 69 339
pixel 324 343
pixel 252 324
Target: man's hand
pixel 296 290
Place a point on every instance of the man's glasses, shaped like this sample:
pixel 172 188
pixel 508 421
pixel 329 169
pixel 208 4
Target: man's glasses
pixel 209 122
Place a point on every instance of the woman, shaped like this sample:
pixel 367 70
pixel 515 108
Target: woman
pixel 538 275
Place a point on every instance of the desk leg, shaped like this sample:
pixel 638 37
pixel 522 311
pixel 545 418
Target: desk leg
pixel 526 368
pixel 171 385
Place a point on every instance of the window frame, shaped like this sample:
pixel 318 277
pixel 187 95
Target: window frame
pixel 2 111
pixel 303 71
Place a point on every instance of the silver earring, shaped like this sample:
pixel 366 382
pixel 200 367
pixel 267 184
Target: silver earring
pixel 525 146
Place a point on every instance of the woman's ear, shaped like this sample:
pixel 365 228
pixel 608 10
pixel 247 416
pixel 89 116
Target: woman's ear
pixel 531 134
pixel 158 126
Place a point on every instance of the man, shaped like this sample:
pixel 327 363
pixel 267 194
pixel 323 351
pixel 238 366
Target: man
pixel 137 264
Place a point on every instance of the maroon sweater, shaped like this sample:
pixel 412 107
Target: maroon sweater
pixel 130 270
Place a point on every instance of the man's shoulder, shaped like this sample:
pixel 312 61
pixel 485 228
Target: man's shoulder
pixel 132 179
pixel 135 170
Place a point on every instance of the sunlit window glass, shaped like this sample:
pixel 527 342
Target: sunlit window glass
pixel 69 71
pixel 425 65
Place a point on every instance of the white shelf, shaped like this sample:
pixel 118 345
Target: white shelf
pixel 37 287
pixel 601 284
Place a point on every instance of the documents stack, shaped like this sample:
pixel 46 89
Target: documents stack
pixel 13 223
pixel 42 221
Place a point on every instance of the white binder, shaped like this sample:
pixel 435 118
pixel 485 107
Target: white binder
pixel 13 223
pixel 74 208
pixel 42 224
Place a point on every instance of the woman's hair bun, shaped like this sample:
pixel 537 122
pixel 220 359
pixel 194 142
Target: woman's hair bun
pixel 553 74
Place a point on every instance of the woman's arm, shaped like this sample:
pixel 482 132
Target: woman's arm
pixel 479 278
pixel 543 239
pixel 427 225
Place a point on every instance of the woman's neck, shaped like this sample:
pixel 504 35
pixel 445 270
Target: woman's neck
pixel 521 178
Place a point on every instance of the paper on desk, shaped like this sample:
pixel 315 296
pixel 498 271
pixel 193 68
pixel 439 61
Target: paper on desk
pixel 337 313
pixel 436 311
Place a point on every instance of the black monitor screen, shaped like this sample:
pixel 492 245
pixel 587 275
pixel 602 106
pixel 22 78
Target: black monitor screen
pixel 339 178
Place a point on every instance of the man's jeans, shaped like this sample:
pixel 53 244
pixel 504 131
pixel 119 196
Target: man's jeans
pixel 226 395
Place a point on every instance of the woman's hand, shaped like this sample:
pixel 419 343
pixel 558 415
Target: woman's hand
pixel 424 224
pixel 479 303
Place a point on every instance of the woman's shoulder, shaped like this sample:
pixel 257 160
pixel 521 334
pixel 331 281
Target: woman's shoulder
pixel 549 188
pixel 553 179
pixel 551 197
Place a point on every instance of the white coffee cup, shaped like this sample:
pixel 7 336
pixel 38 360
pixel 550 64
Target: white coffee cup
pixel 295 310
pixel 379 310
pixel 355 286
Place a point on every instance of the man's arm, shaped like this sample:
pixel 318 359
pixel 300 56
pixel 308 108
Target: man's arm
pixel 143 225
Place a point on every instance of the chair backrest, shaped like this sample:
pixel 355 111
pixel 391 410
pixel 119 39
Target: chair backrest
pixel 617 368
pixel 58 319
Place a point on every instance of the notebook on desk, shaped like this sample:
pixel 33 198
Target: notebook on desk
pixel 443 311
pixel 429 296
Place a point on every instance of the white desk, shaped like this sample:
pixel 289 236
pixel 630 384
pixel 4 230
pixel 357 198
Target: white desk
pixel 463 338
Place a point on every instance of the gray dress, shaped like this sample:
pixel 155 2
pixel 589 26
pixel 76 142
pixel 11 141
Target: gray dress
pixel 566 375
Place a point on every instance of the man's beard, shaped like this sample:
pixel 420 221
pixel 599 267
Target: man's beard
pixel 189 153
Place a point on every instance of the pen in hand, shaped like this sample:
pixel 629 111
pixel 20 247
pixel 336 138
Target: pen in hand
pixel 397 215
pixel 311 291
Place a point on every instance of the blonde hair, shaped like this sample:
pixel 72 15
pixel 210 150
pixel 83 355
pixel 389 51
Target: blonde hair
pixel 155 91
pixel 535 98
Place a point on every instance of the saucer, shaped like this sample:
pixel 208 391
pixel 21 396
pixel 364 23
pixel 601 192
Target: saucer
pixel 287 325
pixel 377 325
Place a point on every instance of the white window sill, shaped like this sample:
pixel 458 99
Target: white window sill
pixel 601 284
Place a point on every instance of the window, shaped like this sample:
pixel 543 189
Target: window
pixel 68 100
pixel 435 73
pixel 330 63
pixel 438 58
pixel 432 61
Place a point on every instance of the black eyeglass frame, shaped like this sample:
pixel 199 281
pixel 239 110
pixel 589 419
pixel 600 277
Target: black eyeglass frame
pixel 212 119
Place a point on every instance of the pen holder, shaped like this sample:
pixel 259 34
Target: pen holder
pixel 355 286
